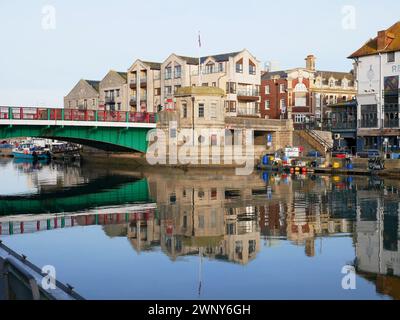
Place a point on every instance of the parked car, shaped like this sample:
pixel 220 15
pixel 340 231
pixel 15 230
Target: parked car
pixel 314 154
pixel 371 153
pixel 342 154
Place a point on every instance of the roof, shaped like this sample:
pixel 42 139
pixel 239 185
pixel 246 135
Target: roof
pixel 335 74
pixel 200 90
pixel 123 74
pixel 190 60
pixel 220 57
pixel 269 75
pixel 371 46
pixel 94 84
pixel 153 65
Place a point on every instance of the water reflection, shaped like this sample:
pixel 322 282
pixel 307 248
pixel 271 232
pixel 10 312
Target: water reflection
pixel 231 219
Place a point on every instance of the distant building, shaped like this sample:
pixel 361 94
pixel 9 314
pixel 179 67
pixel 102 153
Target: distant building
pixel 113 90
pixel 378 71
pixel 144 79
pixel 305 92
pixel 84 96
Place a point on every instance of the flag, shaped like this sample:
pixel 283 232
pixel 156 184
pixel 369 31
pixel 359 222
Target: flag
pixel 199 40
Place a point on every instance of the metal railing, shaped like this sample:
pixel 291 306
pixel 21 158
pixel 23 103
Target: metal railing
pixel 21 113
pixel 248 93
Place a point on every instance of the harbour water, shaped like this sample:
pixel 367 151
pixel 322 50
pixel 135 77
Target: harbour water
pixel 121 234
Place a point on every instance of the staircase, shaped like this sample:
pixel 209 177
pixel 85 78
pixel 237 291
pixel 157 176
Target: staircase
pixel 320 141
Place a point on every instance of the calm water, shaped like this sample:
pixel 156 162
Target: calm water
pixel 116 234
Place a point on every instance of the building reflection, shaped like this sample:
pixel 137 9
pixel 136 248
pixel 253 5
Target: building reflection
pixel 377 238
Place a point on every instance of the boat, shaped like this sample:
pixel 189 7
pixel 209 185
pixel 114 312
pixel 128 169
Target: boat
pixel 6 149
pixel 64 151
pixel 30 151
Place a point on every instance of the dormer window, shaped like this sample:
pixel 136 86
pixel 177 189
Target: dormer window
pixel 391 57
pixel 332 83
pixel 209 68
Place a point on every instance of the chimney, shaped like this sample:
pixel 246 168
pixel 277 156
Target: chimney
pixel 310 62
pixel 384 39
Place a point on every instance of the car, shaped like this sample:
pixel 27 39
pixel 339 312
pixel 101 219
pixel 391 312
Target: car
pixel 343 154
pixel 314 154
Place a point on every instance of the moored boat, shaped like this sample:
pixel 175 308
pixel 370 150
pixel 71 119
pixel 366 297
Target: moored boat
pixel 6 149
pixel 31 152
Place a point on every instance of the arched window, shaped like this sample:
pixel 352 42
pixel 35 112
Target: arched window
pixel 300 95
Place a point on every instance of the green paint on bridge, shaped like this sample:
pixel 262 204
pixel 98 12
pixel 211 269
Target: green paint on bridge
pixel 118 139
pixel 130 193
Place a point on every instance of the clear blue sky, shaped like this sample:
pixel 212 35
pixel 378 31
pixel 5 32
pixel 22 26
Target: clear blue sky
pixel 40 66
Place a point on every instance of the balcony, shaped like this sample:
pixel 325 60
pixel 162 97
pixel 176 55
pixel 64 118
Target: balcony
pixel 133 101
pixel 391 112
pixel 248 95
pixel 110 100
pixel 133 84
pixel 143 82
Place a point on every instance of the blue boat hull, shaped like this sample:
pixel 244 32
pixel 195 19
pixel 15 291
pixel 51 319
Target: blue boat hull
pixel 28 156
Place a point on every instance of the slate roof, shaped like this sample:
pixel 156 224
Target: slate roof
pixel 94 84
pixel 153 65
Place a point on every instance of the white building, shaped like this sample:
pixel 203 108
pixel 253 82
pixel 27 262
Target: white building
pixel 378 69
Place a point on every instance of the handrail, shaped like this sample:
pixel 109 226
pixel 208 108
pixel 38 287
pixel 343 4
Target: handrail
pixel 24 113
pixel 319 139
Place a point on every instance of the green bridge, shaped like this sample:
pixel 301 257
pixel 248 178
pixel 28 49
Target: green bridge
pixel 80 198
pixel 105 130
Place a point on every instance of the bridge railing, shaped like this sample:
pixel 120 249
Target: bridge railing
pixel 25 113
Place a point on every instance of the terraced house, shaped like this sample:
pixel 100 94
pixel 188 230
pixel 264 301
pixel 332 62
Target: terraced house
pixel 113 90
pixel 84 96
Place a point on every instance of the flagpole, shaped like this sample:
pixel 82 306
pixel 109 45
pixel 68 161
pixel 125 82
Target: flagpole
pixel 199 77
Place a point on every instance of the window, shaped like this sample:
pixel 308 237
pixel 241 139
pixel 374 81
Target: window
pixel 391 57
pixel 201 194
pixel 213 111
pixel 94 102
pixel 85 104
pixel 168 90
pixel 282 88
pixel 214 84
pixel 201 110
pixel 214 140
pixel 117 92
pixel 369 116
pixel 300 95
pixel 178 72
pixel 332 83
pixel 267 89
pixel 239 67
pixel 168 73
pixel 172 198
pixel 119 106
pixel 282 105
pixel 209 68
pixel 230 106
pixel 220 67
pixel 231 87
pixel 157 91
pixel 267 104
pixel 252 68
pixel 214 194
pixel 299 118
pixel 184 110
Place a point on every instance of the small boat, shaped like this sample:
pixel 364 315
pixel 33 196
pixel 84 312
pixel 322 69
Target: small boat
pixel 64 151
pixel 6 149
pixel 31 152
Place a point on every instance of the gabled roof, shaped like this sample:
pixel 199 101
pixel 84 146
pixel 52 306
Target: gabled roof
pixel 123 75
pixel 190 60
pixel 335 74
pixel 269 75
pixel 94 84
pixel 153 65
pixel 371 47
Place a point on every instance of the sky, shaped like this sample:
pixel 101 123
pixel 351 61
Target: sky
pixel 47 46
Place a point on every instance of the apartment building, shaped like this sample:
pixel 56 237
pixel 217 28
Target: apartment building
pixel 113 90
pixel 84 96
pixel 237 73
pixel 378 70
pixel 305 92
pixel 144 79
